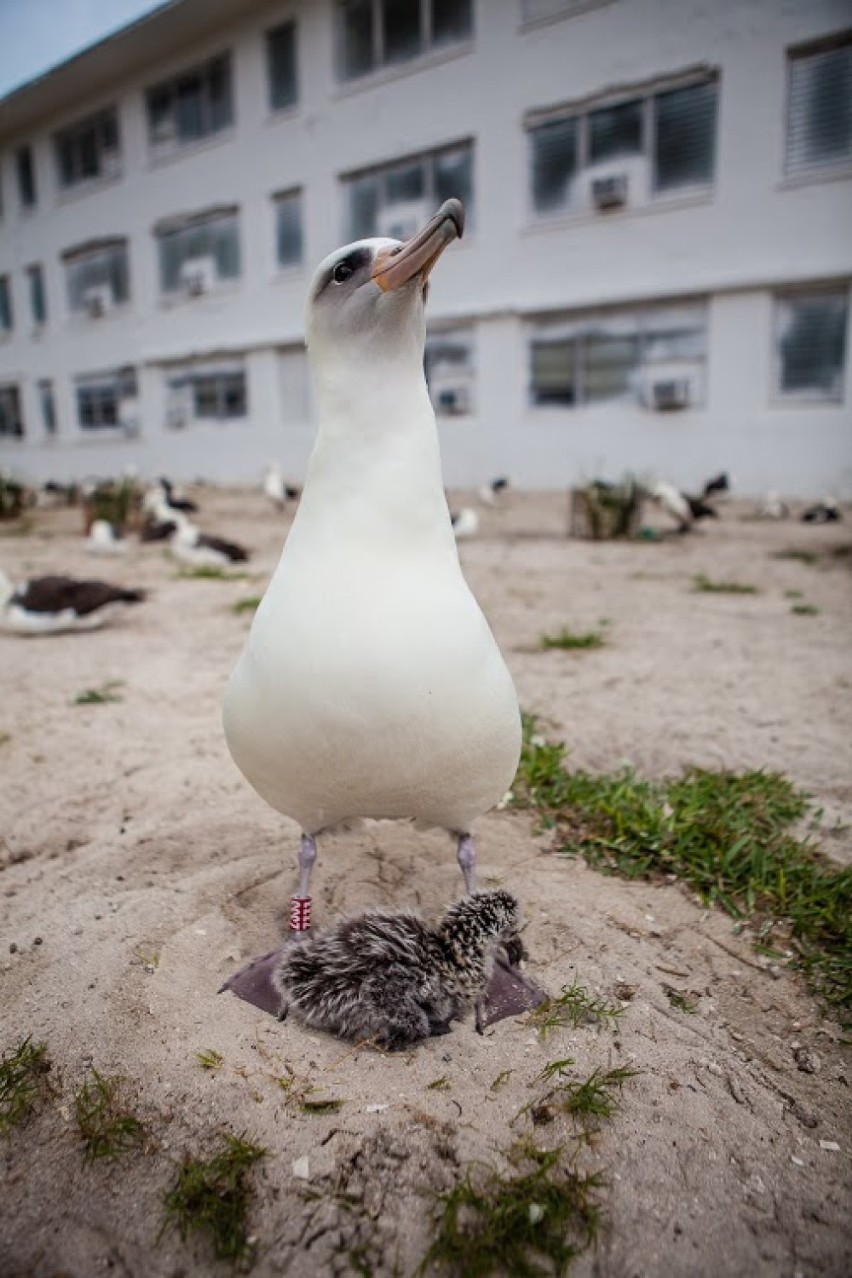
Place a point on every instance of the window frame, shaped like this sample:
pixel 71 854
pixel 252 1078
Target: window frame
pixel 71 136
pixel 779 398
pixel 120 383
pixel 189 381
pixel 641 331
pixel 818 171
pixel 382 170
pixel 7 306
pixel 15 403
pixel 37 291
pixel 431 49
pixel 171 141
pixel 296 196
pixel 277 108
pixel 91 252
pixel 465 335
pixel 194 222
pixel 26 178
pixel 647 94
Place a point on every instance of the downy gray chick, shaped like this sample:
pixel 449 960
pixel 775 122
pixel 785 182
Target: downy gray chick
pixel 393 977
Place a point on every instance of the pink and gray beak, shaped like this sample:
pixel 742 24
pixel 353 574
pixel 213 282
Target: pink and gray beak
pixel 394 267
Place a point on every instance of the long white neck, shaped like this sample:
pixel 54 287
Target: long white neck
pixel 376 465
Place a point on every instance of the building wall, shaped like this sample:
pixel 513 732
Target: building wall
pixel 754 232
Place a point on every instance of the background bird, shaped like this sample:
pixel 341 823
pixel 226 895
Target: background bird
pixel 50 605
pixel 201 550
pixel 105 539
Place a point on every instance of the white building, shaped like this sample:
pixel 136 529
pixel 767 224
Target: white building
pixel 655 275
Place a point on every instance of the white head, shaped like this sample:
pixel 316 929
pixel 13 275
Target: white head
pixel 186 533
pixel 366 302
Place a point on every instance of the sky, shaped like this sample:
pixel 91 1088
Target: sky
pixel 37 34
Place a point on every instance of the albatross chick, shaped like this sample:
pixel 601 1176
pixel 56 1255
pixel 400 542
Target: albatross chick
pixel 393 977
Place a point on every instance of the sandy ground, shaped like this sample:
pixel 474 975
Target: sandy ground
pixel 138 869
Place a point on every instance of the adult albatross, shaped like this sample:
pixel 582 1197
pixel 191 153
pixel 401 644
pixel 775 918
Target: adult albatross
pixel 371 685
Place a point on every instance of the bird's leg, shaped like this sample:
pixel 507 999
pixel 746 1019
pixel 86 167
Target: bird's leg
pixel 467 860
pixel 300 905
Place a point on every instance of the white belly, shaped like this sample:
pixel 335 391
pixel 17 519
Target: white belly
pixel 358 698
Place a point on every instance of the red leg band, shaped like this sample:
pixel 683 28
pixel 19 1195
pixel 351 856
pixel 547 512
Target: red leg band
pixel 300 913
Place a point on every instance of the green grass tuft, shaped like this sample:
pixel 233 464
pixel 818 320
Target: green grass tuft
pixel 106 1129
pixel 705 586
pixel 809 557
pixel 246 605
pixel 212 1197
pixel 210 1059
pixel 575 1006
pixel 569 640
pixel 804 610
pixel 527 1224
pixel 209 572
pixel 23 1082
pixel 99 696
pixel 725 834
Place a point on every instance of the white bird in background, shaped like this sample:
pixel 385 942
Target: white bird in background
pixel 371 685
pixel 104 539
pixel 200 550
pixel 465 523
pixel 52 605
pixel 673 502
pixel 273 485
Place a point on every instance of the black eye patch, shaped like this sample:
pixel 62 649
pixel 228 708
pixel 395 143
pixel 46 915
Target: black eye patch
pixel 347 266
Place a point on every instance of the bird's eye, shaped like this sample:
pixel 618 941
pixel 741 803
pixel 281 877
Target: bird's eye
pixel 342 272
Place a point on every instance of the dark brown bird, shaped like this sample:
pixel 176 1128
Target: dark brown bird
pixel 50 605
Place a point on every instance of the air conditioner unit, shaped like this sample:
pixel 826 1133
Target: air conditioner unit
pixel 401 221
pixel 198 275
pixel 609 192
pixel 454 400
pixel 97 300
pixel 673 393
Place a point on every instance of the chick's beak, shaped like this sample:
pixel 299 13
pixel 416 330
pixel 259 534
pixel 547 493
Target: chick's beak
pixel 394 267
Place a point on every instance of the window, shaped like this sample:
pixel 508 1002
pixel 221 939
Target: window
pixel 819 108
pixel 811 341
pixel 38 300
pixel 396 199
pixel 198 251
pixel 653 356
pixel 97 276
pixel 376 33
pixel 11 421
pixel 101 398
pixel 191 106
pixel 281 66
pixel 288 227
pixel 48 406
pixel 450 371
pixel 89 149
pixel 7 319
pixel 26 177
pixel 206 394
pixel 650 144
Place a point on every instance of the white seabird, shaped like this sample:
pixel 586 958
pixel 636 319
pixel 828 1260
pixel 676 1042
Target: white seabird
pixel 51 605
pixel 371 685
pixel 201 550
pixel 465 523
pixel 104 539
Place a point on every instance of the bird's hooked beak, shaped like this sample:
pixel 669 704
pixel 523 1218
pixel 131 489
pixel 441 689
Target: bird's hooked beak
pixel 394 267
